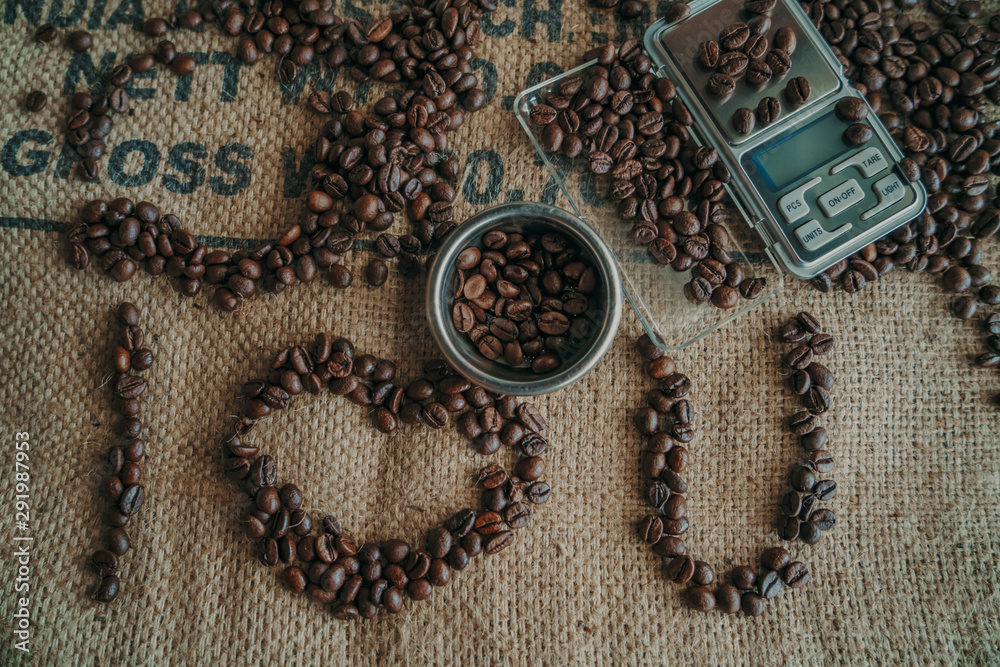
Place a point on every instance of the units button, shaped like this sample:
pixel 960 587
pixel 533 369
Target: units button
pixel 841 198
pixel 812 236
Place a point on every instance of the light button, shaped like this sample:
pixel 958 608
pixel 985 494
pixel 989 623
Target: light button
pixel 812 236
pixel 793 206
pixel 890 190
pixel 841 198
pixel 870 161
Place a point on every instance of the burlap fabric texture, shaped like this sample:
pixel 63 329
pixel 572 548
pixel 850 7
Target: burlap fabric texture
pixel 910 574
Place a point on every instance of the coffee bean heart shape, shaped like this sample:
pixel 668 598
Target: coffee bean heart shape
pixel 325 562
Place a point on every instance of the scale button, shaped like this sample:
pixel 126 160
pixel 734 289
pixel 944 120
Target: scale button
pixel 870 161
pixel 813 236
pixel 841 198
pixel 890 190
pixel 793 205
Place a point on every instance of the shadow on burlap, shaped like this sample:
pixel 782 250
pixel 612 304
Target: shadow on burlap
pixel 909 574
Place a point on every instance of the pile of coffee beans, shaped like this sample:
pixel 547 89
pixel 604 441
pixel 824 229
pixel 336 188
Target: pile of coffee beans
pixel 372 165
pixel 634 129
pixel 90 119
pixel 325 562
pixel 124 485
pixel 666 423
pixel 532 300
pixel 801 516
pixel 410 44
pixel 932 88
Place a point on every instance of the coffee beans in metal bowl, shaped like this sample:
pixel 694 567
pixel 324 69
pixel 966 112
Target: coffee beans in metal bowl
pixel 531 300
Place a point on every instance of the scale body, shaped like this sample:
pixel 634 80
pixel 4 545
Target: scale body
pixel 813 198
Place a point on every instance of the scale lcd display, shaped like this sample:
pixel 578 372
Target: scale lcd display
pixel 809 147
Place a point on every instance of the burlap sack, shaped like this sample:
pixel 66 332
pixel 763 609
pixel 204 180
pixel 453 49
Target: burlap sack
pixel 910 574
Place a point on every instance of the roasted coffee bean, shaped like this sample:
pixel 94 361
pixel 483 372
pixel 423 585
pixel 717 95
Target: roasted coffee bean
pixel 743 120
pixel 708 54
pixel 79 40
pixel 775 558
pixel 758 73
pixel 796 575
pixel 36 101
pixel 734 36
pixel 797 91
pixel 858 134
pixel 752 604
pixel 46 33
pixel 727 599
pixel 743 578
pixel 769 585
pixel 721 85
pixel 768 110
pixel 700 598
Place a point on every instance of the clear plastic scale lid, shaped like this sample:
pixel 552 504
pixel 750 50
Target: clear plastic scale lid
pixel 656 292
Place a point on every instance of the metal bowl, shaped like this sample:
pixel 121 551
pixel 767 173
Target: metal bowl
pixel 497 376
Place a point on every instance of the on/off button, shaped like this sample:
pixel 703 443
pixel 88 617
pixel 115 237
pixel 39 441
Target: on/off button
pixel 841 198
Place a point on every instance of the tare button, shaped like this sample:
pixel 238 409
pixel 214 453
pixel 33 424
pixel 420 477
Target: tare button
pixel 841 198
pixel 793 206
pixel 870 161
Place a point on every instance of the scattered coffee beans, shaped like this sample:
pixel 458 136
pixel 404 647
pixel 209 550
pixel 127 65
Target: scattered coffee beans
pixel 531 300
pixel 321 559
pixel 124 486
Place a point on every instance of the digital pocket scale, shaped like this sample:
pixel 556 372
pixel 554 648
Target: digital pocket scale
pixel 813 198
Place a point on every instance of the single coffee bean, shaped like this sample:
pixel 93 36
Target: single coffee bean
pixel 796 575
pixel 775 558
pixel 797 91
pixel 79 40
pixel 769 585
pixel 743 120
pixel 734 36
pixel 858 134
pixel 699 598
pixel 768 110
pixel 36 101
pixel 721 85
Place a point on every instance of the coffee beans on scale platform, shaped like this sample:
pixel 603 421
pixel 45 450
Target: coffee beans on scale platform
pixel 666 423
pixel 124 486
